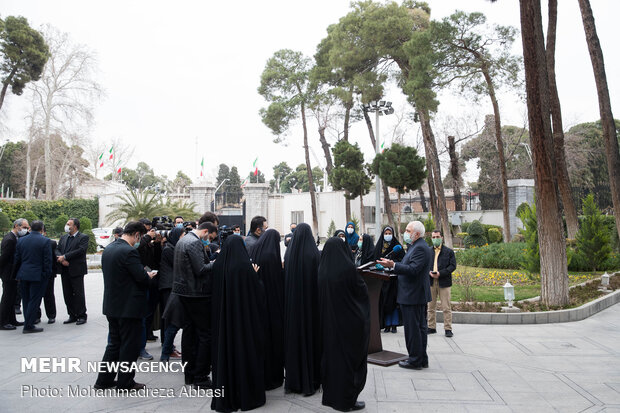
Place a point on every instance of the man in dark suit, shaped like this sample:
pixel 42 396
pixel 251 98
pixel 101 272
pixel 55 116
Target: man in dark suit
pixel 414 293
pixel 33 263
pixel 444 265
pixel 125 285
pixel 49 299
pixel 71 256
pixel 7 273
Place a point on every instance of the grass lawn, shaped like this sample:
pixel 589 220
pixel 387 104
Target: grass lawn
pixel 486 283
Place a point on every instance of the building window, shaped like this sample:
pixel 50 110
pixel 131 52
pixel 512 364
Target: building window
pixel 407 209
pixel 297 217
pixel 369 214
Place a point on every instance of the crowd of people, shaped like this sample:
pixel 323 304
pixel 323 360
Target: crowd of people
pixel 252 320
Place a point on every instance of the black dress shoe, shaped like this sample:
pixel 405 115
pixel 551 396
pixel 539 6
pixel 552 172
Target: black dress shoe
pixel 407 365
pixel 358 406
pixel 51 321
pixel 393 329
pixel 387 330
pixel 431 331
pixel 80 321
pixel 70 320
pixel 105 386
pixel 18 323
pixel 8 327
pixel 152 339
pixel 37 321
pixel 32 330
pixel 449 333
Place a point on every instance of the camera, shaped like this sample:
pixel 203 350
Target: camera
pixel 223 232
pixel 162 225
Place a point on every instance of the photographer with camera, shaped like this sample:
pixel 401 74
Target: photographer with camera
pixel 192 282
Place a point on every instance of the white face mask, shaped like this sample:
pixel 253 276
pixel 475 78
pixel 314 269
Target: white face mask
pixel 350 230
pixel 67 229
pixel 22 232
pixel 387 238
pixel 342 238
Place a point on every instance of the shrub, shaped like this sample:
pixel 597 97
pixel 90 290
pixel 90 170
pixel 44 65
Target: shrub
pixel 29 216
pixel 92 242
pixel 331 229
pixel 59 225
pixel 593 241
pixel 520 209
pixel 429 224
pixel 5 223
pixel 48 211
pixel 465 226
pixel 503 255
pixel 518 238
pixel 495 236
pixel 85 224
pixel 475 235
pixel 461 235
pixel 531 259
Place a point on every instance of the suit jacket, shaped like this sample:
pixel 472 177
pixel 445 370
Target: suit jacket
pixel 125 283
pixel 7 257
pixel 75 254
pixel 54 245
pixel 33 257
pixel 446 264
pixel 413 273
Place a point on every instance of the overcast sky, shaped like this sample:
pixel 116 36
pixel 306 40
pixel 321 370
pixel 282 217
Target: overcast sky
pixel 180 78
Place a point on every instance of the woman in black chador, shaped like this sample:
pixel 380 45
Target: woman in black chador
pixel 266 254
pixel 302 351
pixel 365 250
pixel 345 327
pixel 389 314
pixel 238 331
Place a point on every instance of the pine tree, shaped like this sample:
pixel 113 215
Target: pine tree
pixel 593 236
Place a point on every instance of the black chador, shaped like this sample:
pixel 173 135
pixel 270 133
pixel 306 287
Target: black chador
pixel 302 352
pixel 238 331
pixel 345 326
pixel 266 254
pixel 389 289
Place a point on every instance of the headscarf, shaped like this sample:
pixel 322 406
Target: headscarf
pixel 367 253
pixel 383 248
pixel 174 235
pixel 338 232
pixel 351 238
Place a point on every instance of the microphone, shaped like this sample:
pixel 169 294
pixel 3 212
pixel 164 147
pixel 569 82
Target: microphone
pixel 395 250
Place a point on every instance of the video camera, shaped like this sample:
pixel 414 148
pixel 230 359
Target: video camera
pixel 223 232
pixel 162 225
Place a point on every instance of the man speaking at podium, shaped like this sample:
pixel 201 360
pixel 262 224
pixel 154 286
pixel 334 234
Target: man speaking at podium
pixel 414 293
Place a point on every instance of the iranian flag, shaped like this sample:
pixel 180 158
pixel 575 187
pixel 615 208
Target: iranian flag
pixel 101 159
pixel 255 167
pixel 111 154
pixel 244 183
pixel 119 170
pixel 202 166
pixel 382 145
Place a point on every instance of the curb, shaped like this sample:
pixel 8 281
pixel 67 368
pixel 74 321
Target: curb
pixel 542 317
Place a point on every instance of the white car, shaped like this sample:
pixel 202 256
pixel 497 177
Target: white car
pixel 103 236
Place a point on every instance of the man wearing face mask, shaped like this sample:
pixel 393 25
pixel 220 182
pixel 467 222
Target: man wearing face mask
pixel 125 284
pixel 178 221
pixel 71 258
pixel 258 225
pixel 7 273
pixel 414 293
pixel 441 283
pixel 192 282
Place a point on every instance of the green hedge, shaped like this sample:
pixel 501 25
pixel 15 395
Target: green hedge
pixel 49 211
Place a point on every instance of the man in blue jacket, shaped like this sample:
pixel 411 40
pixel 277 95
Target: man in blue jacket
pixel 414 293
pixel 33 262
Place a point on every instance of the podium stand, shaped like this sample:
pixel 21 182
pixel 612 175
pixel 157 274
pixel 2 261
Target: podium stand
pixel 376 355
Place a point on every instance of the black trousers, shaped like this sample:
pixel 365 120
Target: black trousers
pixel 49 300
pixel 32 293
pixel 124 343
pixel 414 321
pixel 196 338
pixel 164 294
pixel 73 291
pixel 153 300
pixel 7 302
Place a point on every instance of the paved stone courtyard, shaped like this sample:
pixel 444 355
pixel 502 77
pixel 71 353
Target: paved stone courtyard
pixel 568 367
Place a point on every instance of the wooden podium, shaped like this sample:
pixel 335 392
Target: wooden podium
pixel 374 281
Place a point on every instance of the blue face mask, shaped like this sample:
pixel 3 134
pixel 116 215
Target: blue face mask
pixel 359 244
pixel 387 238
pixel 136 245
pixel 179 225
pixel 407 238
pixel 205 242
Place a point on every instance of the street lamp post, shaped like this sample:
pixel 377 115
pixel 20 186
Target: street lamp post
pixel 380 108
pixel 214 192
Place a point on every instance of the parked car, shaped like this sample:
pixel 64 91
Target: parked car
pixel 103 236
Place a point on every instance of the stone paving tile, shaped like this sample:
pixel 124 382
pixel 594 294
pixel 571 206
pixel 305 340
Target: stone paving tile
pixel 568 367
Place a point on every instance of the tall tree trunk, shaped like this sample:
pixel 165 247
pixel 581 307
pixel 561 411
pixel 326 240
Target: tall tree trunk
pixel 362 218
pixel 28 166
pixel 427 134
pixel 315 220
pixel 500 152
pixel 456 176
pixel 34 179
pixel 432 196
pixel 47 150
pixel 607 119
pixel 570 211
pixel 5 85
pixel 329 165
pixel 553 265
pixel 422 200
pixel 347 119
pixel 387 204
